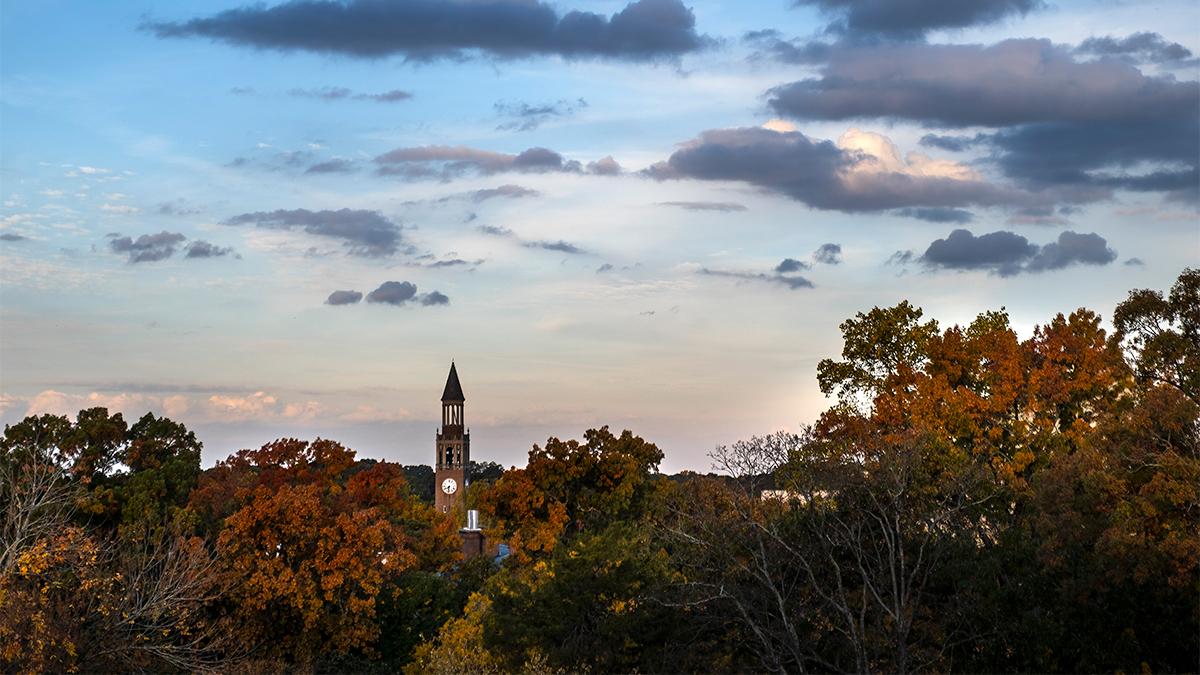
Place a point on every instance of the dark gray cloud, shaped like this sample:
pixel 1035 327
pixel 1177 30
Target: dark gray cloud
pixel 770 44
pixel 911 19
pixel 828 254
pixel 342 93
pixel 1021 81
pixel 791 282
pixel 507 191
pixel 523 116
pixel 1084 128
pixel 559 246
pixel 901 258
pixel 363 233
pixel 1134 262
pixel 789 265
pixel 950 143
pixel 814 172
pixel 204 249
pixel 400 293
pixel 606 267
pixel 332 166
pixel 1072 248
pixel 434 298
pixel 393 292
pixel 343 298
pixel 424 30
pixel 706 206
pixel 1007 253
pixel 496 231
pixel 11 236
pixel 1101 154
pixel 1139 47
pixel 446 162
pixel 937 214
pixel 148 247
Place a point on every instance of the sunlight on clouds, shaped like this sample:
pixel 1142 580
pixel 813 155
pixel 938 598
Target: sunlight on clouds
pixel 880 155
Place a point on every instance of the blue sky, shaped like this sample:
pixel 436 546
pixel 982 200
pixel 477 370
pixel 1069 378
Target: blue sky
pixel 180 196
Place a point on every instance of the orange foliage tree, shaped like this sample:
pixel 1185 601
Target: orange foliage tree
pixel 315 542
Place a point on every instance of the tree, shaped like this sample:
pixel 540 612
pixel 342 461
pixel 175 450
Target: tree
pixel 569 487
pixel 70 595
pixel 1162 334
pixel 315 553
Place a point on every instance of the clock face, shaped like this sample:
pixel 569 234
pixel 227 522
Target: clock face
pixel 449 486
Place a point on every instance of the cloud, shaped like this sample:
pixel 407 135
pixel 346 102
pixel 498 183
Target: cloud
pixel 1072 249
pixel 770 44
pixel 1138 47
pixel 507 191
pixel 343 298
pixel 332 166
pixel 178 207
pixel 434 298
pixel 1006 253
pixel 937 214
pixel 204 249
pixel 828 254
pixel 123 209
pixel 901 258
pixel 147 247
pixel 342 93
pixel 399 293
pixel 911 19
pixel 790 282
pixel 496 230
pixel 862 172
pixel 950 143
pixel 426 30
pixel 1017 81
pixel 1134 262
pixel 725 207
pixel 11 236
pixel 446 162
pixel 1081 128
pixel 529 116
pixel 790 265
pixel 363 233
pixel 393 293
pixel 605 166
pixel 559 246
pixel 606 267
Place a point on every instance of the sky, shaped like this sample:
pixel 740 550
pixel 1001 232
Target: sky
pixel 285 220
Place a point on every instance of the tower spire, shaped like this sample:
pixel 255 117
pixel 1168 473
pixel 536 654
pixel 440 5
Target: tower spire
pixel 453 390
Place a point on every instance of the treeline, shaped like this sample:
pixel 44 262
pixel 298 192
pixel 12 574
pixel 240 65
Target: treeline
pixel 972 502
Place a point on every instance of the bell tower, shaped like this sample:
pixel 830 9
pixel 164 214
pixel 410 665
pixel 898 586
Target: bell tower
pixel 453 447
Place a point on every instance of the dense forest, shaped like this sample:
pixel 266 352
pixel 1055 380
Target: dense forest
pixel 971 501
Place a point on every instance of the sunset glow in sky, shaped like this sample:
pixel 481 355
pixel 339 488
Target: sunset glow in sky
pixel 287 219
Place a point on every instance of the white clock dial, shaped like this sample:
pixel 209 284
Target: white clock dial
pixel 449 486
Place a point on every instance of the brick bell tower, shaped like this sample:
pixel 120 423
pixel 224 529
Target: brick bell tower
pixel 453 447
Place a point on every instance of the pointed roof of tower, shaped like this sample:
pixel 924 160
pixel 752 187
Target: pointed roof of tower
pixel 453 391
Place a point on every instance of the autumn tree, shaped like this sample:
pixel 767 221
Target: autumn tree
pixel 315 553
pixel 74 593
pixel 570 487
